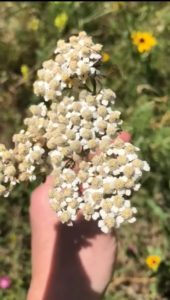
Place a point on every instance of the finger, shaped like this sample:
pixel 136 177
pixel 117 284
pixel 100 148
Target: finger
pixel 125 136
pixel 49 181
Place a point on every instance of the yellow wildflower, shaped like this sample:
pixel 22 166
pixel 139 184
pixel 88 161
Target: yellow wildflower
pixel 105 57
pixel 61 21
pixel 116 5
pixel 33 24
pixel 144 41
pixel 25 72
pixel 153 262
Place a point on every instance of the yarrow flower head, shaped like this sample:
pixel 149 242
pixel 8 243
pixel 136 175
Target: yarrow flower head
pixel 78 122
pixel 144 41
pixel 73 64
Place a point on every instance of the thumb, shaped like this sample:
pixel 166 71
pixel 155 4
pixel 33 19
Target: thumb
pixel 125 136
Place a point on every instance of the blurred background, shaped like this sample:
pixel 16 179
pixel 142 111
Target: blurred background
pixel 136 54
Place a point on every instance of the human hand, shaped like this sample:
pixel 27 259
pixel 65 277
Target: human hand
pixel 67 262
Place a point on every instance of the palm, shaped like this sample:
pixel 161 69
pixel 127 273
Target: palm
pixel 80 257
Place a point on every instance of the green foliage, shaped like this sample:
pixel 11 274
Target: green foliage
pixel 163 279
pixel 28 35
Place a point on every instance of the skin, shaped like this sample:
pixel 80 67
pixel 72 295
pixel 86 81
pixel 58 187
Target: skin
pixel 68 262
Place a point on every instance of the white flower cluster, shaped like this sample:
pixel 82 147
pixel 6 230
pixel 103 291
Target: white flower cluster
pixel 101 188
pixel 76 140
pixel 28 155
pixel 78 125
pixel 7 170
pixel 73 64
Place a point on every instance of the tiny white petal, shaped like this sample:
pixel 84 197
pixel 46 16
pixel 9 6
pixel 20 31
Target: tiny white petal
pixel 95 216
pixel 132 220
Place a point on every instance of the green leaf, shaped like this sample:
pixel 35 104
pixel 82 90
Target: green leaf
pixel 141 118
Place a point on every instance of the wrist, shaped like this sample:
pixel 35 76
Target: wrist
pixel 40 291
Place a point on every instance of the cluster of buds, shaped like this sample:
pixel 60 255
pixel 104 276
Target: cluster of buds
pixel 7 170
pixel 100 188
pixel 75 138
pixel 73 64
